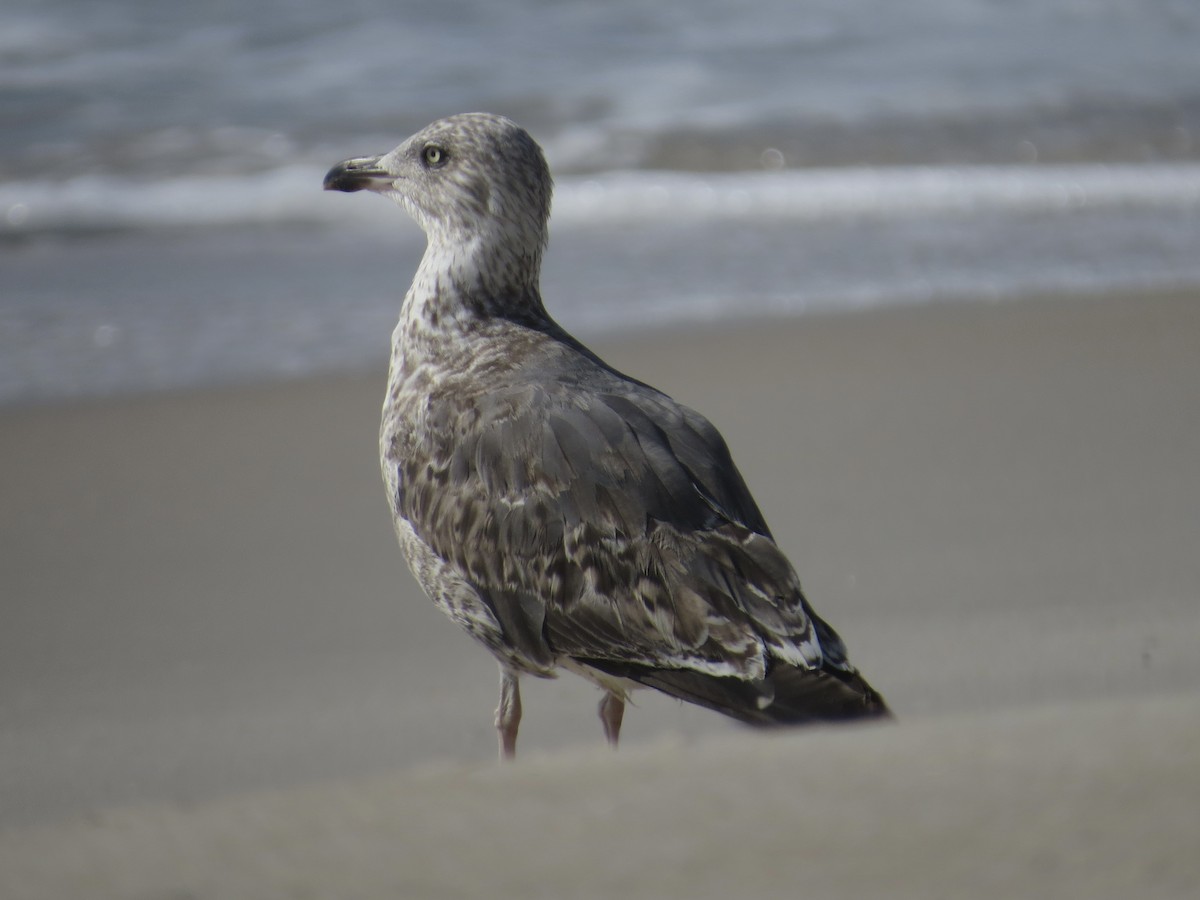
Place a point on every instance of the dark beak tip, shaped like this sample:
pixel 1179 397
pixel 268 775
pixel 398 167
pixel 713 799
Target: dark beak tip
pixel 339 178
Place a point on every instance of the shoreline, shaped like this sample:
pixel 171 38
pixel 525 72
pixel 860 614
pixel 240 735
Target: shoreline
pixel 609 341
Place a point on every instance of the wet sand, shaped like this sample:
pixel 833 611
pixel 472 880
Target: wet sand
pixel 213 658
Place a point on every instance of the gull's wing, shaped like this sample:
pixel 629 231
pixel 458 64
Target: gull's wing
pixel 600 520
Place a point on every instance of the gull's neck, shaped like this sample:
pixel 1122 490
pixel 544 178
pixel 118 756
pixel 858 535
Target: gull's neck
pixel 464 279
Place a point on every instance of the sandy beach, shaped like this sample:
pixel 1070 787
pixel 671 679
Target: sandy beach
pixel 218 680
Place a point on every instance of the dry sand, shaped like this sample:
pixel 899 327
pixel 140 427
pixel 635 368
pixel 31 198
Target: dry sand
pixel 216 679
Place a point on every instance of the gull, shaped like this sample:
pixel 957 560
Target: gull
pixel 567 515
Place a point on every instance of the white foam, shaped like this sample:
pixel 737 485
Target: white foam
pixel 293 194
pixel 841 193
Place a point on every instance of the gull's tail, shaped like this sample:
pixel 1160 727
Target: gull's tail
pixel 787 696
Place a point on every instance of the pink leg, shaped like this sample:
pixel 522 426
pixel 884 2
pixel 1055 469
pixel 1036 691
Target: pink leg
pixel 612 711
pixel 508 713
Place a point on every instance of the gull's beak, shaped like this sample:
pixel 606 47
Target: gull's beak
pixel 358 175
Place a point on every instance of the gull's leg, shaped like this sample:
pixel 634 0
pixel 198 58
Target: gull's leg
pixel 612 711
pixel 508 713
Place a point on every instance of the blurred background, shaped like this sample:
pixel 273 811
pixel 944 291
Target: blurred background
pixel 987 480
pixel 162 223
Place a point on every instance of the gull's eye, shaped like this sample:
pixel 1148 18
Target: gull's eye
pixel 434 156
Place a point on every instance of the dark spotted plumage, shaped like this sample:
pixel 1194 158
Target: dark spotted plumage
pixel 563 513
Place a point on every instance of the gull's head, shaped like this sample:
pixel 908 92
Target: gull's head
pixel 471 180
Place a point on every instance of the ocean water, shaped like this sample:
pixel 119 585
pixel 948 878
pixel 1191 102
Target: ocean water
pixel 162 223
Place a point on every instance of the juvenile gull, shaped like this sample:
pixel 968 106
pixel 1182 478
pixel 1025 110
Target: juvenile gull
pixel 567 515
